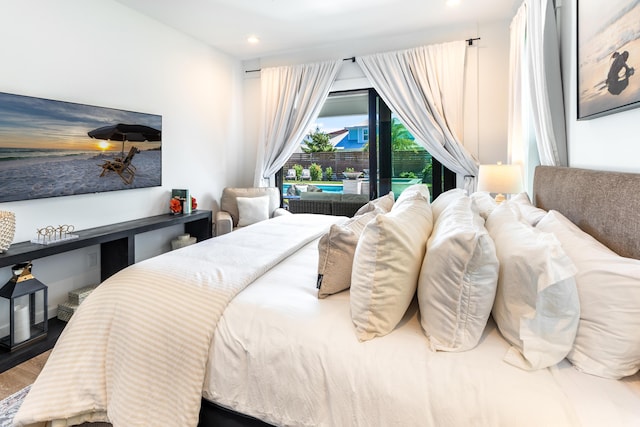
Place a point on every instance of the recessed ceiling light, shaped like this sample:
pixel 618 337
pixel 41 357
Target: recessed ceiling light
pixel 253 39
pixel 452 2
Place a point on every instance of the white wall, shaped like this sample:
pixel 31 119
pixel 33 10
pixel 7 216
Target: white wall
pixel 104 54
pixel 606 143
pixel 486 91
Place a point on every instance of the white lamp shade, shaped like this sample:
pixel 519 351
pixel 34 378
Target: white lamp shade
pixel 500 179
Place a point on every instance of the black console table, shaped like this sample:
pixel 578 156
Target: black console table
pixel 117 241
pixel 117 251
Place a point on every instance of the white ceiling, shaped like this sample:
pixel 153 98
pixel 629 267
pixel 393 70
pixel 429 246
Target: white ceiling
pixel 292 25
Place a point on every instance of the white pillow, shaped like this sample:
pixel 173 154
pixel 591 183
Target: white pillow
pixel 536 306
pixel 458 278
pixel 411 191
pixel 608 340
pixel 383 203
pixel 530 213
pixel 386 266
pixel 485 203
pixel 444 200
pixel 336 249
pixel 252 210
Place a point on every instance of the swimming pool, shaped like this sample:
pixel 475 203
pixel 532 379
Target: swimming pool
pixel 397 185
pixel 326 188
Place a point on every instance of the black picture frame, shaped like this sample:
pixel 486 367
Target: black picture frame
pixel 52 148
pixel 608 57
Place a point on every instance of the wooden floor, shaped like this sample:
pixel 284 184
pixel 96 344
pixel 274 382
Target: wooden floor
pixel 20 376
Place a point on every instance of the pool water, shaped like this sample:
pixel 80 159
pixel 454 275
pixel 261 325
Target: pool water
pixel 398 185
pixel 326 188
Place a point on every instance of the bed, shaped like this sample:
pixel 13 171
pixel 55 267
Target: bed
pixel 231 331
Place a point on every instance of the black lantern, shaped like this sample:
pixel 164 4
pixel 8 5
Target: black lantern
pixel 23 292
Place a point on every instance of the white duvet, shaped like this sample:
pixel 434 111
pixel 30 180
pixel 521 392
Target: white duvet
pixel 284 356
pixel 135 352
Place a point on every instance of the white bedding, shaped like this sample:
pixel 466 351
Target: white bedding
pixel 137 357
pixel 284 356
pixel 135 351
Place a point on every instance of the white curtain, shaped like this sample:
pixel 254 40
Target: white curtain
pixel 522 147
pixel 292 97
pixel 536 108
pixel 424 87
pixel 545 81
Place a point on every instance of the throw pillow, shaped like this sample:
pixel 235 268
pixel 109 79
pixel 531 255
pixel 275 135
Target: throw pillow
pixel 252 210
pixel 384 203
pixel 336 249
pixel 444 200
pixel 485 203
pixel 458 278
pixel 413 190
pixel 536 306
pixel 386 266
pixel 530 213
pixel 608 340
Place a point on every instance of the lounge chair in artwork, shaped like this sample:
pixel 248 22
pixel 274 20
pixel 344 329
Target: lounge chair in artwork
pixel 306 174
pixel 122 167
pixel 291 174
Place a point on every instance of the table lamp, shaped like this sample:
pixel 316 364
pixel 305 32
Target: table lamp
pixel 500 179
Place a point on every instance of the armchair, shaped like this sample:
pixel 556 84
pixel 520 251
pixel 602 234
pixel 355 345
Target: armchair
pixel 234 213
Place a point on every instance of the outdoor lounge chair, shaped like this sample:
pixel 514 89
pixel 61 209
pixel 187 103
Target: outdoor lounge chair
pixel 291 174
pixel 122 167
pixel 306 174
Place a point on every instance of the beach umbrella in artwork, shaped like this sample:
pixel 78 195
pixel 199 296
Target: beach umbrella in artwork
pixel 124 132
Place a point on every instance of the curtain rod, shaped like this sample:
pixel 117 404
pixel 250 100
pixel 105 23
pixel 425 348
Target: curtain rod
pixel 353 58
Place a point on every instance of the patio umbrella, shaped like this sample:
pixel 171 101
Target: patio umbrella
pixel 124 132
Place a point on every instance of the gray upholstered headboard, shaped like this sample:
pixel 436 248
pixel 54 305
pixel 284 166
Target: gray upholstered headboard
pixel 604 204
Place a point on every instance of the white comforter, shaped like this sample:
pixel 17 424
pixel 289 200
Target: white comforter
pixel 135 352
pixel 286 357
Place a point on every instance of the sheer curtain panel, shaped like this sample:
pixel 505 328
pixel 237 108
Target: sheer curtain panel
pixel 536 107
pixel 292 97
pixel 521 141
pixel 547 104
pixel 424 87
pixel 536 128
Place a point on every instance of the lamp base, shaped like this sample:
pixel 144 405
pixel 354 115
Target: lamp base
pixel 500 198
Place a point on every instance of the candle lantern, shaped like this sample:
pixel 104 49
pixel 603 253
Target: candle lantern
pixel 25 295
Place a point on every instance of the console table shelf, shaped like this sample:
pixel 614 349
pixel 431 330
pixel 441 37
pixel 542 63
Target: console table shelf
pixel 117 241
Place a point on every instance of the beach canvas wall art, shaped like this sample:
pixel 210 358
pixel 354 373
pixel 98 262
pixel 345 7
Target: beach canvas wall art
pixel 608 57
pixel 54 148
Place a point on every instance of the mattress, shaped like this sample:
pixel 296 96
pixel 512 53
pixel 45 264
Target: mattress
pixel 282 355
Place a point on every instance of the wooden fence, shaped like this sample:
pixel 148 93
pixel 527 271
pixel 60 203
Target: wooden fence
pixel 403 161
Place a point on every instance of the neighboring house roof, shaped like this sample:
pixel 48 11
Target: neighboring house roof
pixel 337 136
pixel 353 141
pixel 350 144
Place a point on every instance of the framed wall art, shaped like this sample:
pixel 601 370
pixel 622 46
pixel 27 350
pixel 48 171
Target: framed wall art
pixel 53 148
pixel 608 57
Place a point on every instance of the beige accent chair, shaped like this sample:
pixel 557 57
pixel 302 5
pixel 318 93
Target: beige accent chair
pixel 226 219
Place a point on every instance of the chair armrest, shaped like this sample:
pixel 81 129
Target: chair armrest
pixel 224 223
pixel 280 212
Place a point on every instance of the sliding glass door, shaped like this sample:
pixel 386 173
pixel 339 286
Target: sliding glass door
pixel 358 137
